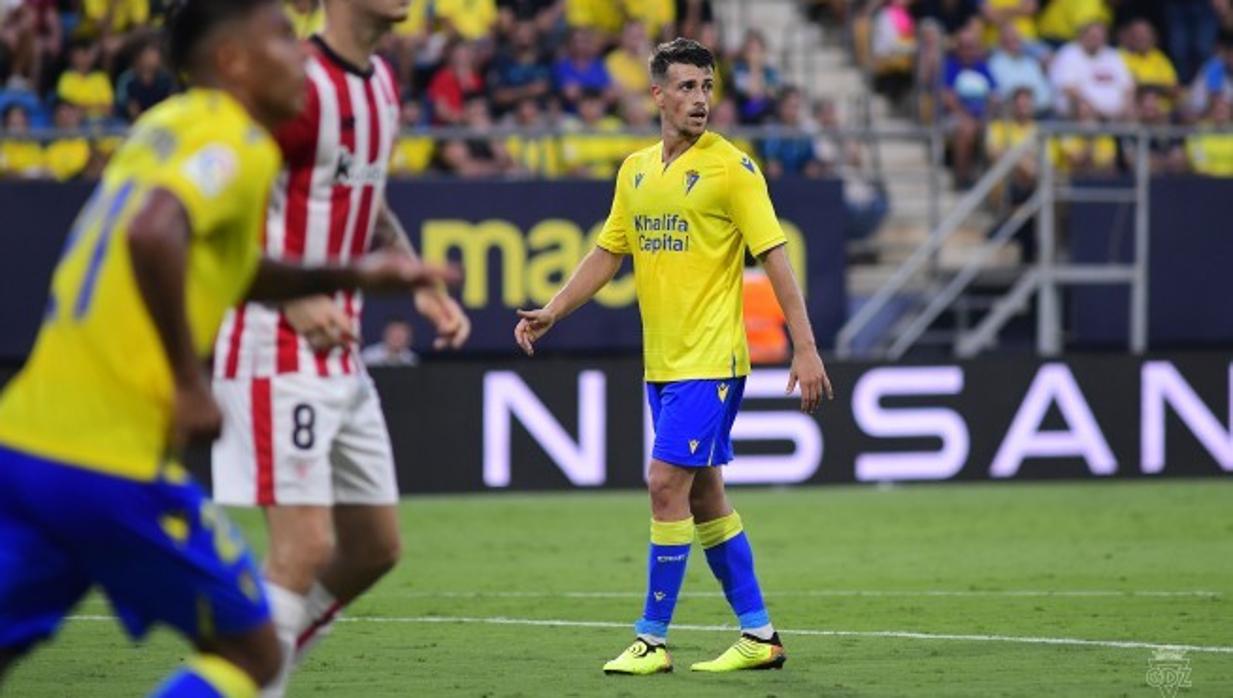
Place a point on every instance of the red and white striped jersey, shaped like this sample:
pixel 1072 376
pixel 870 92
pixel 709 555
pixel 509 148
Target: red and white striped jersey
pixel 323 208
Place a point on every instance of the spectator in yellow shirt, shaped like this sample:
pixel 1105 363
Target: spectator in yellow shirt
pixel 111 21
pixel 20 155
pixel 412 152
pixel 594 145
pixel 627 65
pixel 70 157
pixel 1148 64
pixel 84 84
pixel 534 152
pixel 1211 149
pixel 1004 134
pixel 656 16
pixel 1021 14
pixel 1061 20
pixel 606 16
pixel 307 16
pixel 1085 154
pixel 472 20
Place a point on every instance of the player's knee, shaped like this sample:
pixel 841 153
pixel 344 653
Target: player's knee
pixel 668 498
pixel 306 557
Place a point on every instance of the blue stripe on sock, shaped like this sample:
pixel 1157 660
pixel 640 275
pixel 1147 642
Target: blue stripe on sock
pixel 754 619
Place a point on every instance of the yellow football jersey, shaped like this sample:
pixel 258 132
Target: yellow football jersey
pixel 97 390
pixel 687 226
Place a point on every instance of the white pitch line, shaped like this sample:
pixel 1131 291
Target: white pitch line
pixel 895 634
pixel 1029 593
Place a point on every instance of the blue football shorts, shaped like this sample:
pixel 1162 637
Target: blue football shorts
pixel 693 420
pixel 160 550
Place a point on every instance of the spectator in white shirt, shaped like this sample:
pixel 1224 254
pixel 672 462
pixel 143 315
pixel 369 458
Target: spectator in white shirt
pixel 1089 68
pixel 1014 69
pixel 394 349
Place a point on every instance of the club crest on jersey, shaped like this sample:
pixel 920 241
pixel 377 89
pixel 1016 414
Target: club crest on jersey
pixel 638 180
pixel 748 164
pixel 691 179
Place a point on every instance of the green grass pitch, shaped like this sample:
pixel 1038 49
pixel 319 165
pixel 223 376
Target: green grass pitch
pixel 869 586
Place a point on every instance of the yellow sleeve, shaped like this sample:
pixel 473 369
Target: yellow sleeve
pixel 750 208
pixel 615 235
pixel 214 180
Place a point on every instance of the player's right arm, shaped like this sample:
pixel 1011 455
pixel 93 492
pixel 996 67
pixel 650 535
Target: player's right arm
pixel 379 272
pixel 158 240
pixel 593 272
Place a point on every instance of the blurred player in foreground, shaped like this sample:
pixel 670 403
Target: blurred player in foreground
pixel 306 438
pixel 91 491
pixel 686 209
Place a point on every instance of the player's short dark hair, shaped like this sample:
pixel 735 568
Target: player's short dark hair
pixel 189 22
pixel 679 50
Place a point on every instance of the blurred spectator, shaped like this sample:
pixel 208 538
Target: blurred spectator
pixel 789 151
pixel 1013 70
pixel 519 70
pixel 1211 149
pixel 1061 20
pixel 929 63
pixel 455 81
pixel 1089 68
pixel 954 15
pixel 1086 153
pixel 627 64
pixel 546 15
pixel 20 155
pixel 866 200
pixel 111 22
pixel 593 145
pixel 604 16
pixel 531 150
pixel 84 84
pixel 1007 133
pixel 412 152
pixel 394 349
pixel 723 120
pixel 409 44
pixel 694 19
pixel 69 157
pixel 968 90
pixel 1017 14
pixel 1167 152
pixel 582 69
pixel 470 20
pixel 1214 78
pixel 478 156
pixel 31 35
pixel 144 84
pixel 658 17
pixel 892 48
pixel 1192 27
pixel 754 80
pixel 1149 66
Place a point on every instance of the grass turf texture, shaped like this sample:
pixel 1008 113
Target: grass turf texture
pixel 520 554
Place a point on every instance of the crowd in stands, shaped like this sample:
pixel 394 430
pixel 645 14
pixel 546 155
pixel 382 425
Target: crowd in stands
pixel 991 70
pixel 533 87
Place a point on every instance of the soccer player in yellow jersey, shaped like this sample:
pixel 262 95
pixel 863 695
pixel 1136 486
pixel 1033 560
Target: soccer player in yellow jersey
pixel 686 209
pixel 91 492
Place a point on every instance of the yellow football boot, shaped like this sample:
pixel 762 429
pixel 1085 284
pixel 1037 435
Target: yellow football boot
pixel 641 658
pixel 747 653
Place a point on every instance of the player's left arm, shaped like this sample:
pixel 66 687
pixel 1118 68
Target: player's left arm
pixel 807 368
pixel 753 214
pixel 435 303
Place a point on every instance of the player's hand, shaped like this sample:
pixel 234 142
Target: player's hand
pixel 808 371
pixel 383 272
pixel 446 315
pixel 533 325
pixel 320 321
pixel 197 417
